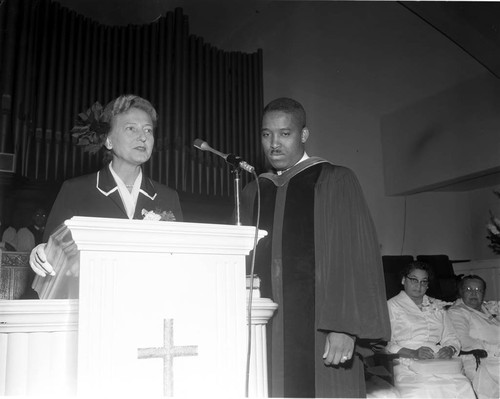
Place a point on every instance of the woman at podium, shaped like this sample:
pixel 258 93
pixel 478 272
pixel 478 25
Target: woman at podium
pixel 124 129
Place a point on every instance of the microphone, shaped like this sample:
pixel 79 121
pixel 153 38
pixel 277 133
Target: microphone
pixel 231 159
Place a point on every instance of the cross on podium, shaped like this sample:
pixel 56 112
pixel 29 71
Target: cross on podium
pixel 167 352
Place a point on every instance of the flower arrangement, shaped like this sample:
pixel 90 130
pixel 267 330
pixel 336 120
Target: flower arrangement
pixel 89 130
pixel 493 228
pixel 158 214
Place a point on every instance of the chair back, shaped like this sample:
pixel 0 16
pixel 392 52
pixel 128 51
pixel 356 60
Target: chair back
pixel 445 283
pixel 393 267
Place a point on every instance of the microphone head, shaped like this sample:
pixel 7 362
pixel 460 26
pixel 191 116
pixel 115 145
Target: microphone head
pixel 203 145
pixel 200 144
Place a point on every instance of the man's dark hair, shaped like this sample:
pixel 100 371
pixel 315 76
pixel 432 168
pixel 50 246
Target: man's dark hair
pixel 290 106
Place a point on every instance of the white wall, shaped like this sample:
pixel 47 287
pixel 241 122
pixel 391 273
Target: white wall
pixel 436 141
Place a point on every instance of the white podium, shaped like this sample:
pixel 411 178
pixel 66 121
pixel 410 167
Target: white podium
pixel 262 311
pixel 162 308
pixel 38 347
pixel 39 344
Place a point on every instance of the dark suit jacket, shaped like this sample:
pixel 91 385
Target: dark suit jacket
pixel 97 195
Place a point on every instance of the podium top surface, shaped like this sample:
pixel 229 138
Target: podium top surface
pixel 108 234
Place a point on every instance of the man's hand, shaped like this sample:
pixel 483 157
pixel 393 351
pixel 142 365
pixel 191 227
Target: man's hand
pixel 339 348
pixel 38 261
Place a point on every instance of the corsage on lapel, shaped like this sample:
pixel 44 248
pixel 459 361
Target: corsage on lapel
pixel 434 305
pixel 158 214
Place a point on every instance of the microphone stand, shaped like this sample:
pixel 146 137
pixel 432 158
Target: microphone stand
pixel 237 190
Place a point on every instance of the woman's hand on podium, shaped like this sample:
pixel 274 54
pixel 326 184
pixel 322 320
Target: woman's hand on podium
pixel 38 261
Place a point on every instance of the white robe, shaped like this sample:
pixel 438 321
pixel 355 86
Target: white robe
pixel 479 330
pixel 413 328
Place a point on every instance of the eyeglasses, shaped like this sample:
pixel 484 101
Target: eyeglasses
pixel 470 289
pixel 414 281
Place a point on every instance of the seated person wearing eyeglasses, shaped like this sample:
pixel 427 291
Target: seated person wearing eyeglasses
pixel 478 327
pixel 426 341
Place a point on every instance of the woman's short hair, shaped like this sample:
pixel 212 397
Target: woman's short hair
pixel 124 103
pixel 289 106
pixel 464 279
pixel 418 265
pixel 121 105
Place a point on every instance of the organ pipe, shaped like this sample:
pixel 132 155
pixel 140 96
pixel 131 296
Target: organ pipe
pixel 56 63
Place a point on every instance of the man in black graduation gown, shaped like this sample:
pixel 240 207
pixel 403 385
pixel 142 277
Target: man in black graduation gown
pixel 320 262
